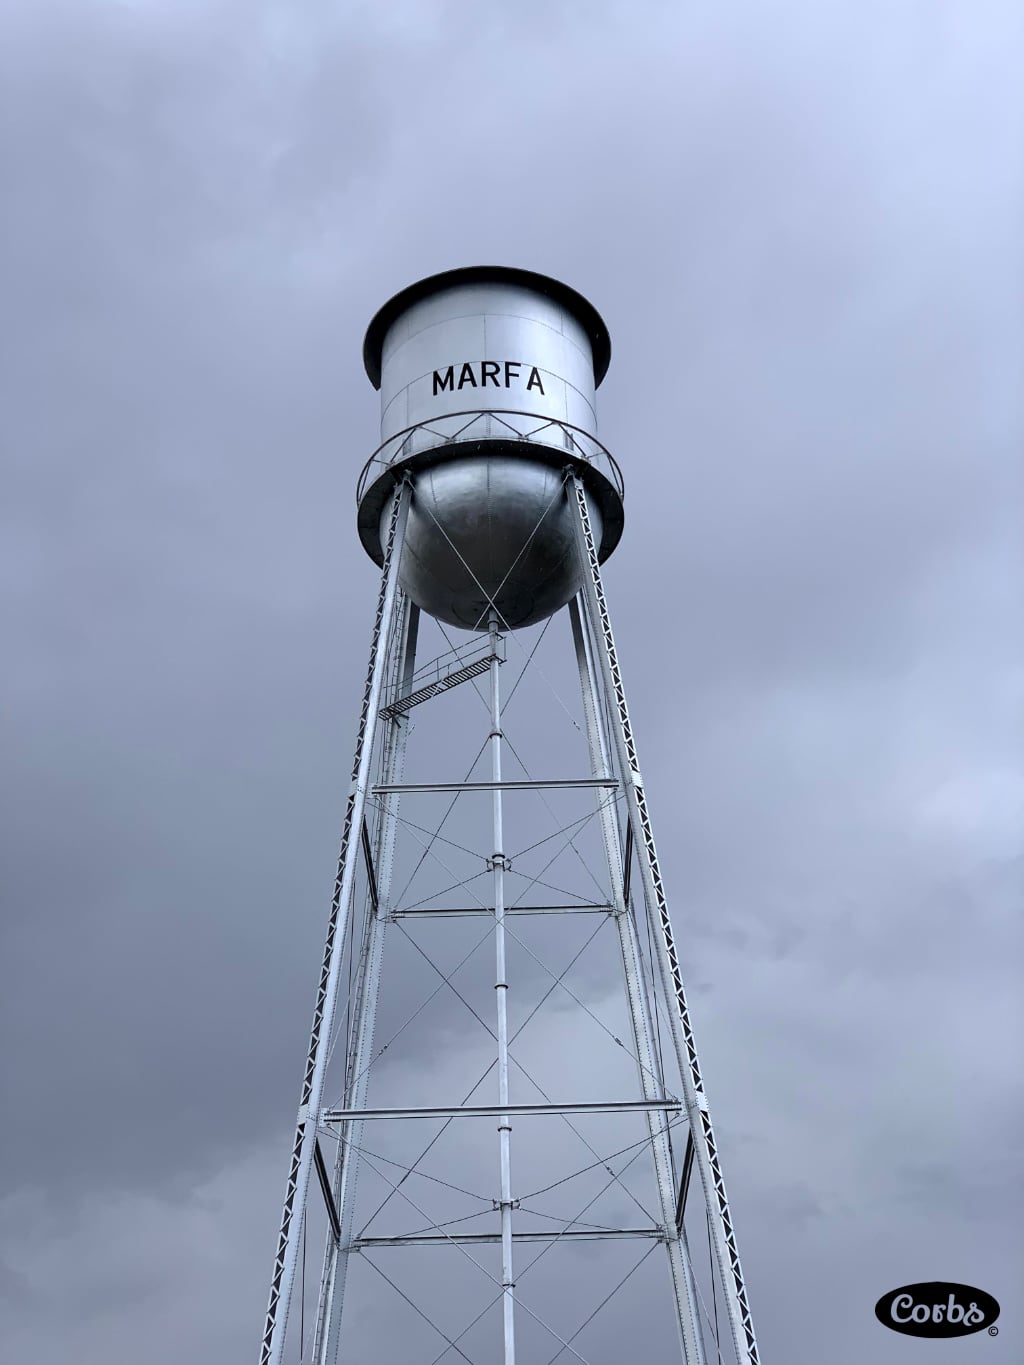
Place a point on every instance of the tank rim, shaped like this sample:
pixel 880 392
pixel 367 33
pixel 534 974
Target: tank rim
pixel 371 504
pixel 582 309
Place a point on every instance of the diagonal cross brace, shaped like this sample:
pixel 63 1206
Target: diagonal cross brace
pixel 325 1189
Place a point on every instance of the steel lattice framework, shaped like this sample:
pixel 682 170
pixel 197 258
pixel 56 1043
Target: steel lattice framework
pixel 330 1137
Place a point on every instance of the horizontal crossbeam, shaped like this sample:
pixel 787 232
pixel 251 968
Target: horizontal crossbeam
pixel 456 910
pixel 476 1238
pixel 474 1111
pixel 572 782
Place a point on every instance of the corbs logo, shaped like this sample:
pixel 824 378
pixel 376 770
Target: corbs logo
pixel 937 1309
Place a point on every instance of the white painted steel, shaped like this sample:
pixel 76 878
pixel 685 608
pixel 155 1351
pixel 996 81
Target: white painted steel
pixel 311 1096
pixel 357 1070
pixel 691 1340
pixel 490 529
pixel 476 1111
pixel 487 379
pixel 513 786
pixel 723 1234
pixel 508 325
pixel 483 1238
pixel 493 527
pixel 501 1003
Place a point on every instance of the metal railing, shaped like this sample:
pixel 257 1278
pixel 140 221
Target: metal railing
pixel 455 666
pixel 476 424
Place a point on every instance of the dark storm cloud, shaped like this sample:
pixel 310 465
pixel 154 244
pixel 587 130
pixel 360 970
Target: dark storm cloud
pixel 803 229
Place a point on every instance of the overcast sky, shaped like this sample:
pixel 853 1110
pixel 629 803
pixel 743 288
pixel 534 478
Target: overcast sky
pixel 803 224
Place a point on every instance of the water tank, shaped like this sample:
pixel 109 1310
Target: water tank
pixel 487 377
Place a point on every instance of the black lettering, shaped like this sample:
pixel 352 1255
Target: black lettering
pixel 511 365
pixel 445 381
pixel 534 381
pixel 467 376
pixel 489 370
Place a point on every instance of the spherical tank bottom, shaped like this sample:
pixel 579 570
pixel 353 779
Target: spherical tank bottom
pixel 491 527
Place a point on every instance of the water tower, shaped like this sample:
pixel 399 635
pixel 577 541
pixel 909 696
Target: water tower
pixel 489 507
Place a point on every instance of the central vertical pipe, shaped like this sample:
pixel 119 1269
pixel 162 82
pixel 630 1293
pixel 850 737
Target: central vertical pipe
pixel 501 1000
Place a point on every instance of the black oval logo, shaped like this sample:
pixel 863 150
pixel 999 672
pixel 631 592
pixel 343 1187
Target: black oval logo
pixel 936 1308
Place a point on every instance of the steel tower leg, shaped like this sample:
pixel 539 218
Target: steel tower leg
pixel 359 1060
pixel 690 1336
pixel 498 864
pixel 311 1095
pixel 723 1235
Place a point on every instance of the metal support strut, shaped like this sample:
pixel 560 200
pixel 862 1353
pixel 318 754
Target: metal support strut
pixel 311 1095
pixel 369 836
pixel 705 1149
pixel 498 866
pixel 690 1337
pixel 358 1062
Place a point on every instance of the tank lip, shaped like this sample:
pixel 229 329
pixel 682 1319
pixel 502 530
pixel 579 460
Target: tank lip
pixel 582 309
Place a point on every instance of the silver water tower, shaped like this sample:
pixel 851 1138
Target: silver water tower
pixel 489 506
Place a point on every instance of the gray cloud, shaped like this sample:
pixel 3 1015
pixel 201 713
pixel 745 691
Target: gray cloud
pixel 803 229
